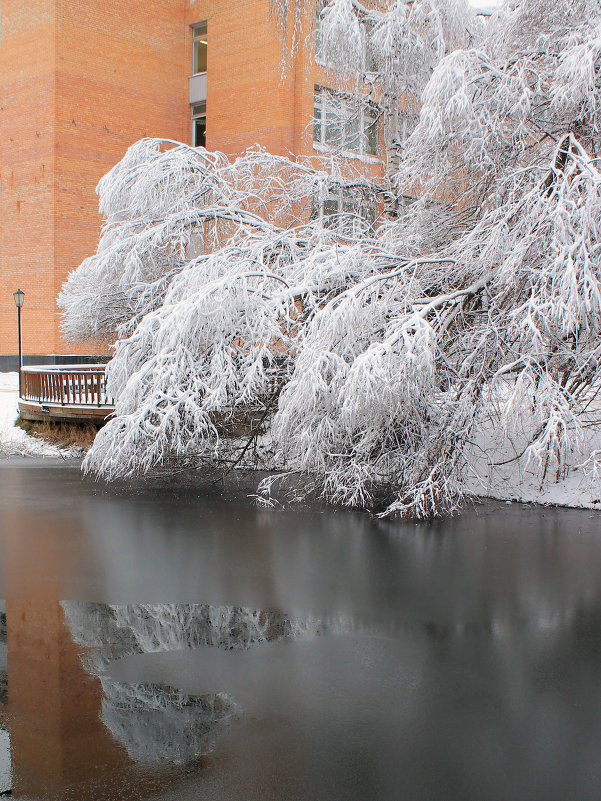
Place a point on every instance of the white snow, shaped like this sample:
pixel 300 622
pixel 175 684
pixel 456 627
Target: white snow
pixel 13 440
pixel 485 3
pixel 6 778
pixel 516 480
pixel 9 386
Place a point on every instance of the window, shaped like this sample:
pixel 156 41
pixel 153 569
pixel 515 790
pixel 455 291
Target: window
pixel 328 59
pixel 344 200
pixel 321 57
pixel 199 125
pixel 370 59
pixel 199 48
pixel 340 123
pixel 370 130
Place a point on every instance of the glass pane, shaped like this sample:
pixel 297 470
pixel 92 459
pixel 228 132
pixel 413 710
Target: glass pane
pixel 200 55
pixel 371 132
pixel 348 201
pixel 334 127
pixel 318 40
pixel 368 212
pixel 200 132
pixel 351 133
pixel 370 61
pixel 330 207
pixel 317 120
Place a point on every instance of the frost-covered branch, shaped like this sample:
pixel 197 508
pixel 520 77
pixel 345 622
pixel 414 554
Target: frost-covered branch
pixel 389 347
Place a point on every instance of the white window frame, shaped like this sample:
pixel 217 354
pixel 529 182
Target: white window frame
pixel 199 33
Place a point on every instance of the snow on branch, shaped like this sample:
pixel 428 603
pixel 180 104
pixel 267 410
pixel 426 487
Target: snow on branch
pixel 163 208
pixel 369 360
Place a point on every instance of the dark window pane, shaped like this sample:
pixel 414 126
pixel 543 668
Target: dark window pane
pixel 318 40
pixel 331 206
pixel 351 133
pixel 334 127
pixel 200 132
pixel 349 202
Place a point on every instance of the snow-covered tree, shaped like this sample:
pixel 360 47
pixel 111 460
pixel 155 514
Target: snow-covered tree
pixel 381 52
pixel 372 359
pixel 208 295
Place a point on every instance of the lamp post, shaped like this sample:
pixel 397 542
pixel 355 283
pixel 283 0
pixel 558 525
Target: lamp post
pixel 19 297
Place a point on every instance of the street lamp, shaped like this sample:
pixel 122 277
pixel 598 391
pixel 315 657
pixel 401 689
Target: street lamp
pixel 19 297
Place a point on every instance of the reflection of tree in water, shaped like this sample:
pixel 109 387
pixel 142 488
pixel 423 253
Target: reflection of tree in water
pixel 156 722
pixel 114 631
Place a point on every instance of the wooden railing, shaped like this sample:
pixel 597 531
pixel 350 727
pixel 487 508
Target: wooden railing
pixel 70 385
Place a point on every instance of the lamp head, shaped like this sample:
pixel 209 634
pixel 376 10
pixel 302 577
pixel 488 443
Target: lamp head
pixel 19 297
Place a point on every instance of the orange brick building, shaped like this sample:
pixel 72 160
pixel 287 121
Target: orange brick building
pixel 81 80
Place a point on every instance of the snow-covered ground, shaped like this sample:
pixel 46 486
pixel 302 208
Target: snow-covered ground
pixel 13 440
pixel 496 472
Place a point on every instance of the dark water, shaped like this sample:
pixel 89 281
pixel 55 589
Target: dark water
pixel 174 645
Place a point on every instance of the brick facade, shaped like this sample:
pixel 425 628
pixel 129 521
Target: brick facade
pixel 80 81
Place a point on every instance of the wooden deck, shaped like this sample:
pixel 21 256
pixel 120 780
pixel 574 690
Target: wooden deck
pixel 74 393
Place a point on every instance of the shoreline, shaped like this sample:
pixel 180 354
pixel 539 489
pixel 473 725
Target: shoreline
pixel 513 483
pixel 245 482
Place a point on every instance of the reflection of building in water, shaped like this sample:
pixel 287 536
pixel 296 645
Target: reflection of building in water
pixel 111 632
pixel 5 763
pixel 73 729
pixel 3 656
pixel 53 709
pixel 160 724
pixel 60 746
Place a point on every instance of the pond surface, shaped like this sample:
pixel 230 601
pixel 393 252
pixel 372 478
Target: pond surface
pixel 169 644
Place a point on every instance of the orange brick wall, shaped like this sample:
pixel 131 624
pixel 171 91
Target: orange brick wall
pixel 250 99
pixel 131 54
pixel 247 102
pixel 80 81
pixel 27 91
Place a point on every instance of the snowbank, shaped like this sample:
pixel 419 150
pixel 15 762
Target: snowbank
pixel 510 478
pixel 14 441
